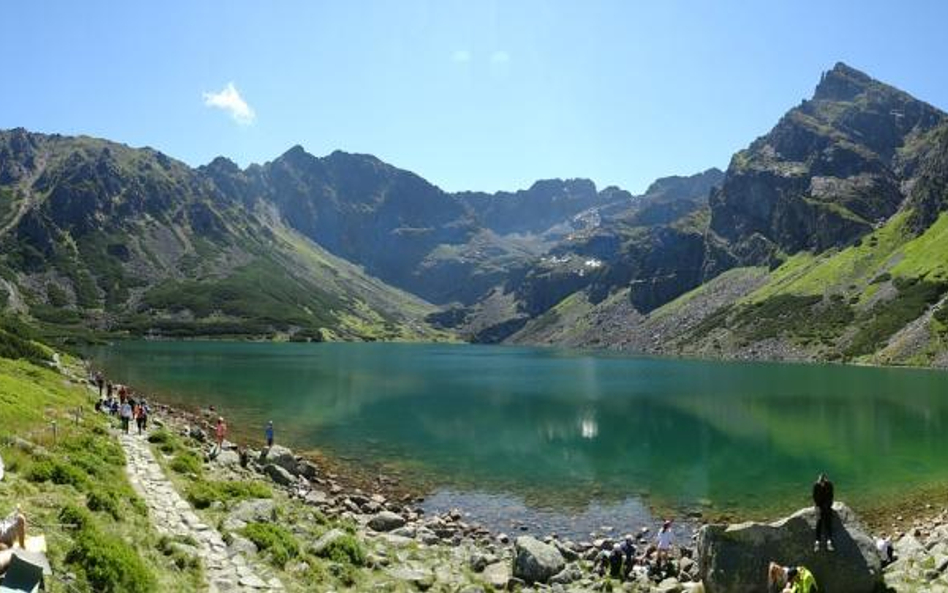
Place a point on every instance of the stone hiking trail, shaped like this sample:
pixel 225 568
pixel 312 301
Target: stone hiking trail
pixel 224 570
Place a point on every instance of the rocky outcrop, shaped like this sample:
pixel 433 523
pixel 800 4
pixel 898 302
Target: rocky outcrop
pixel 535 561
pixel 734 558
pixel 831 169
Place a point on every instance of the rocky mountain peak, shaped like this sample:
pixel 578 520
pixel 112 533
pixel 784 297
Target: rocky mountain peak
pixel 842 83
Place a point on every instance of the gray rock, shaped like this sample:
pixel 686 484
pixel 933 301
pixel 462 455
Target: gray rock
pixel 307 469
pixel 386 521
pixel 326 540
pixel 254 510
pixel 735 558
pixel 535 561
pixel 497 574
pixel 279 475
pixel 568 575
pixel 227 458
pixel 241 545
pixel 316 497
pixel 417 576
pixel 283 457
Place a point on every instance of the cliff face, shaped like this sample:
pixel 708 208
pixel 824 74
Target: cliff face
pixel 832 169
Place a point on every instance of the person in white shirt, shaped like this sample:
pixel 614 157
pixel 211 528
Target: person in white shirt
pixel 665 540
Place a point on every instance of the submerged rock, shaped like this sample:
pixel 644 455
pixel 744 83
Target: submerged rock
pixel 734 559
pixel 535 561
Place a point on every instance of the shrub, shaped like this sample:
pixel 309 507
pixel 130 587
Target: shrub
pixel 105 501
pixel 345 550
pixel 201 494
pixel 274 539
pixel 187 463
pixel 110 565
pixel 56 472
pixel 74 516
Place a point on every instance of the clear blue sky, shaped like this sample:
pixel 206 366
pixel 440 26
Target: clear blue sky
pixel 470 95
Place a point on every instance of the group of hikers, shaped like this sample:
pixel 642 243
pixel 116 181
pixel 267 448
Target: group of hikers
pixel 620 560
pixel 121 401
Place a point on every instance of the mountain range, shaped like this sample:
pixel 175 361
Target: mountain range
pixel 825 239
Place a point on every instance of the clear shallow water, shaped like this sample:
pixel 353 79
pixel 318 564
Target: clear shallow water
pixel 570 441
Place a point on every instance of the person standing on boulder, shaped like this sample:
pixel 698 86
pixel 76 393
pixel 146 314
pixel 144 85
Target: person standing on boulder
pixel 823 499
pixel 268 433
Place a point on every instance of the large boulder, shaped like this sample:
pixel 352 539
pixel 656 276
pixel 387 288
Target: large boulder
pixel 282 457
pixel 734 558
pixel 279 475
pixel 535 561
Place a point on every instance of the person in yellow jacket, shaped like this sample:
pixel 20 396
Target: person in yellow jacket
pixel 795 579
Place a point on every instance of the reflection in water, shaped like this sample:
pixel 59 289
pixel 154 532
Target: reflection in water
pixel 563 430
pixel 588 427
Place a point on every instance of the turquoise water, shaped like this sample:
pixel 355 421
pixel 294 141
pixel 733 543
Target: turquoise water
pixel 560 438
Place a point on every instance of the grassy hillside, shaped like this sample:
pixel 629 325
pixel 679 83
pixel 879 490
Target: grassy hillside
pixel 73 490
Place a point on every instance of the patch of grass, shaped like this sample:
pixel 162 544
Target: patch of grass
pixel 57 472
pixel 109 564
pixel 188 463
pixel 202 493
pixel 346 550
pixel 275 540
pixel 105 501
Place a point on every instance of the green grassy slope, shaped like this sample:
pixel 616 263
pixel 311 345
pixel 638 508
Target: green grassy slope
pixel 73 489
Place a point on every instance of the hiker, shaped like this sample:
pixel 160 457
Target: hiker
pixel 100 382
pixel 126 416
pixel 269 434
pixel 793 579
pixel 13 530
pixel 140 417
pixel 220 432
pixel 627 547
pixel 144 412
pixel 108 389
pixel 884 547
pixel 664 538
pixel 823 500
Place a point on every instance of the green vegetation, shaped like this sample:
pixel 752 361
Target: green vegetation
pixel 202 493
pixel 187 463
pixel 109 563
pixel 345 549
pixel 72 487
pixel 914 297
pixel 276 541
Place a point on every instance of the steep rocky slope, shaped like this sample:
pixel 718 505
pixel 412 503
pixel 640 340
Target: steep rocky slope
pixel 99 235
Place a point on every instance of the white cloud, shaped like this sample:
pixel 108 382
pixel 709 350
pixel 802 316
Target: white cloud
pixel 461 56
pixel 499 57
pixel 229 100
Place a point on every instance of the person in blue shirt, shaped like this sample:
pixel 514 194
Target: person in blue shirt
pixel 269 433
